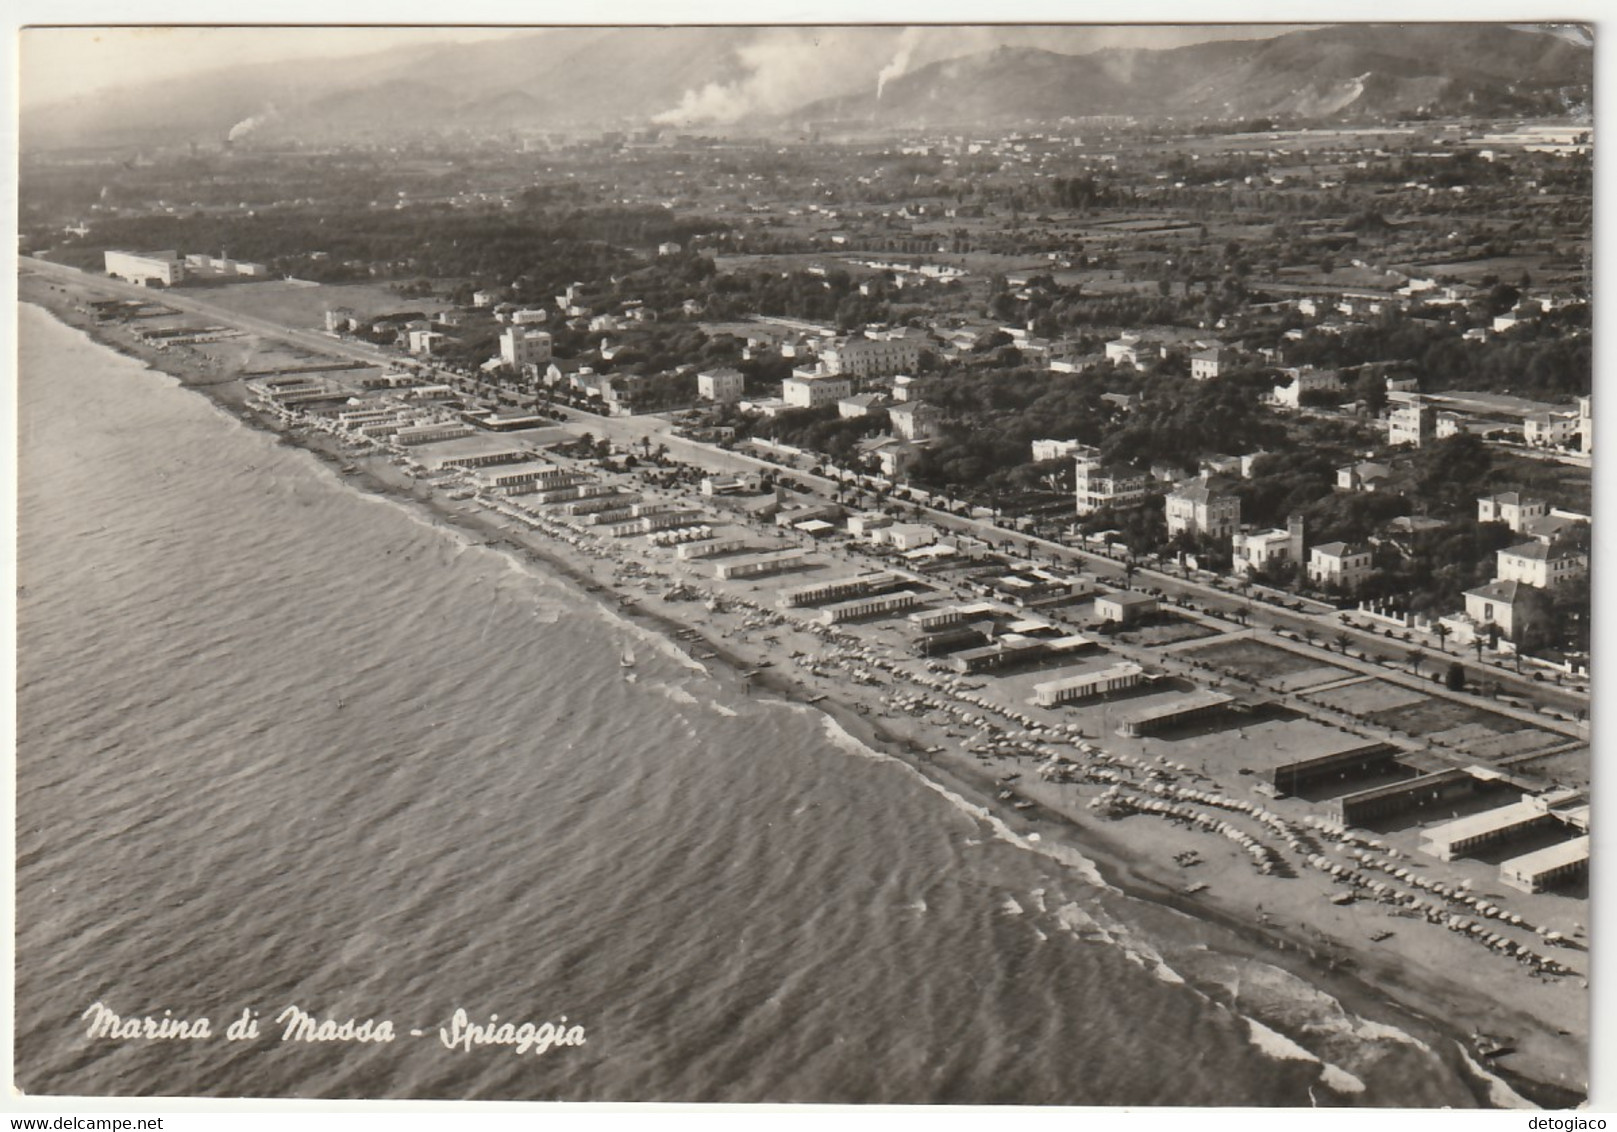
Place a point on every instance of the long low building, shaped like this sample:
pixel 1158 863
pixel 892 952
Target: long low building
pixel 1117 678
pixel 482 459
pixel 1479 831
pixel 597 502
pixel 508 476
pixel 432 433
pixel 1423 792
pixel 869 606
pixel 1190 708
pixel 835 589
pixel 1293 777
pixel 1013 649
pixel 587 490
pixel 757 565
pixel 934 619
pixel 1547 867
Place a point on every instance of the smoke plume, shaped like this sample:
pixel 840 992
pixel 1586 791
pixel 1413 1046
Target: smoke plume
pixel 247 125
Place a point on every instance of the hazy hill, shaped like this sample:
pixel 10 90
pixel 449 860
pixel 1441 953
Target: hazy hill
pixel 589 78
pixel 1345 71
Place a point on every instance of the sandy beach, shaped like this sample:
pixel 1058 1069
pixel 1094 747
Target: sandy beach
pixel 1263 872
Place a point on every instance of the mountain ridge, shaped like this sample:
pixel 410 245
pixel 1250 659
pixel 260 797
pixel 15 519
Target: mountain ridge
pixel 703 78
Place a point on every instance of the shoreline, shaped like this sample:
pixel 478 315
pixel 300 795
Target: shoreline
pixel 1378 982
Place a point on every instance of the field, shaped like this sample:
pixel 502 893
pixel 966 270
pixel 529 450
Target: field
pixel 1253 659
pixel 1170 632
pixel 1368 697
pixel 304 305
pixel 1434 715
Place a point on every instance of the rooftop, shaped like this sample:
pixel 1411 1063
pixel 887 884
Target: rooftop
pixel 1508 592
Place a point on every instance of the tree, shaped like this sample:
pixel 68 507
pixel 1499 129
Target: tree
pixel 1415 657
pixel 1310 634
pixel 1343 641
pixel 1441 632
pixel 1455 680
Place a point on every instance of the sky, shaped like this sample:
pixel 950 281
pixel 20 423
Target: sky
pixel 61 63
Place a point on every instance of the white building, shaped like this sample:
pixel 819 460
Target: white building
pixel 1300 380
pixel 806 390
pixel 1252 552
pixel 1500 603
pixel 916 420
pixel 520 348
pixel 908 536
pixel 1127 350
pixel 722 385
pixel 1203 506
pixel 145 268
pixel 1409 420
pixel 424 341
pixel 1117 678
pixel 1098 486
pixel 1337 563
pixel 1551 430
pixel 1208 364
pixel 1536 564
pixel 1510 508
pixel 1363 476
pixel 872 357
pixel 1055 449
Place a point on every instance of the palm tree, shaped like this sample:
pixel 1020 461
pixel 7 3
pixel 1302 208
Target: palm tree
pixel 1441 632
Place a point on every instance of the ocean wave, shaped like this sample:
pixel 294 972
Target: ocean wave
pixel 1340 1080
pixel 1275 1044
pixel 1500 1095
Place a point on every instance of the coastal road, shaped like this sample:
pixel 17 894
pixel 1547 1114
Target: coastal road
pixel 630 432
pixel 313 341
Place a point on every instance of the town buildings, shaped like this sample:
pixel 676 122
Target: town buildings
pixel 916 420
pixel 145 268
pixel 807 389
pixel 723 385
pixel 1551 430
pixel 1410 420
pixel 1301 380
pixel 1548 567
pixel 1259 549
pixel 520 348
pixel 1339 564
pixel 1099 485
pixel 1510 508
pixel 1208 364
pixel 1205 506
pixel 862 357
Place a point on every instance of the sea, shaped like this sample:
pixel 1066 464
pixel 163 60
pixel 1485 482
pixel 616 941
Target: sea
pixel 283 746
